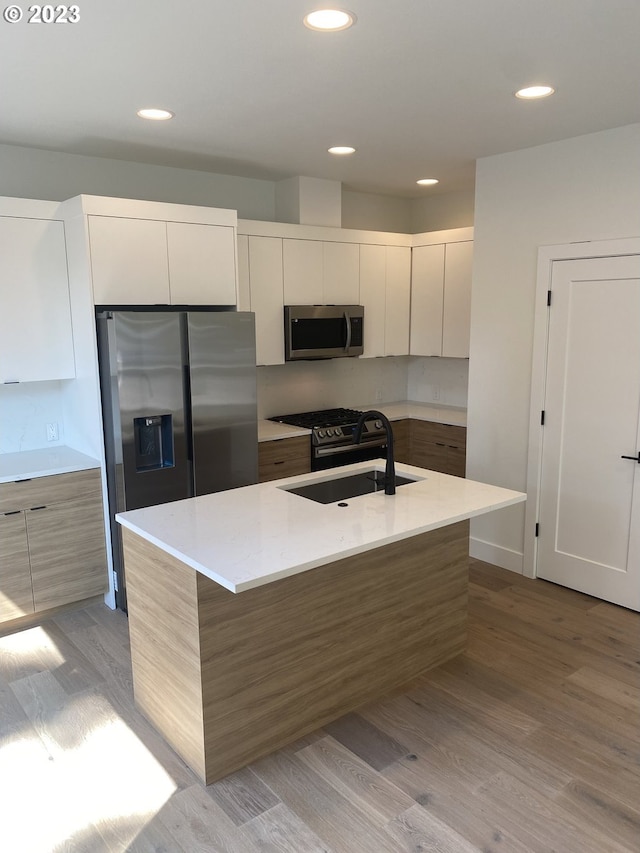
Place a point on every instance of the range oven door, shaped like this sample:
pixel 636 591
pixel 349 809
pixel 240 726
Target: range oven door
pixel 344 454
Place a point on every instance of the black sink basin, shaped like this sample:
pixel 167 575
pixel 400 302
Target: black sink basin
pixel 341 488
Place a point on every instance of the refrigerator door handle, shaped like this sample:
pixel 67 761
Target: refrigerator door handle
pixel 188 426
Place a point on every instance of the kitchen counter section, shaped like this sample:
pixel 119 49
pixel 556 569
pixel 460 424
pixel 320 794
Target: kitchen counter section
pixel 338 606
pixel 454 415
pixel 248 537
pixel 29 464
pixel 272 431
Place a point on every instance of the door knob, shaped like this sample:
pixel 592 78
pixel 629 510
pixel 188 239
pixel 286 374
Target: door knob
pixel 635 458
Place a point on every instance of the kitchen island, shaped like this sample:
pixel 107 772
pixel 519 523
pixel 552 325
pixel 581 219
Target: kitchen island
pixel 257 615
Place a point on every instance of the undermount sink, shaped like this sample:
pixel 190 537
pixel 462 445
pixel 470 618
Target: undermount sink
pixel 342 488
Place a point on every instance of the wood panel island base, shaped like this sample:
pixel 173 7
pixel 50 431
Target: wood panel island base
pixel 232 661
pixel 229 678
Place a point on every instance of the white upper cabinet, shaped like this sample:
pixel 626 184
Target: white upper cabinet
pixel 151 262
pixel 456 323
pixel 129 264
pixel 320 273
pixel 441 299
pixel 341 274
pixel 36 341
pixel 427 299
pixel 398 300
pixel 202 267
pixel 373 278
pixel 302 268
pixel 385 286
pixel 264 269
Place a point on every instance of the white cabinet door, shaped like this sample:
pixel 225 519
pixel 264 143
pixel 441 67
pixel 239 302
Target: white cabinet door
pixel 266 290
pixel 244 289
pixel 341 274
pixel 373 276
pixel 398 299
pixel 303 272
pixel 456 322
pixel 202 269
pixel 36 341
pixel 129 263
pixel 427 299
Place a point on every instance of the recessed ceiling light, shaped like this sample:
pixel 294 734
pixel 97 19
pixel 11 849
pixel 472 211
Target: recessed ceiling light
pixel 329 20
pixel 427 182
pixel 155 114
pixel 341 149
pixel 532 92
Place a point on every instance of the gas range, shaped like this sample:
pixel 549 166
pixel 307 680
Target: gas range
pixel 332 436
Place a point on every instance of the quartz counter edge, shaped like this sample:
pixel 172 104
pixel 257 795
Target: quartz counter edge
pixel 45 462
pixel 244 538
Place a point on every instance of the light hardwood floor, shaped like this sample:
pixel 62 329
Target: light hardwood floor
pixel 527 742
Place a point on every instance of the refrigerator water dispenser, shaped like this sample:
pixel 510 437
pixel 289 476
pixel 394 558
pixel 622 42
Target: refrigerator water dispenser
pixel 153 442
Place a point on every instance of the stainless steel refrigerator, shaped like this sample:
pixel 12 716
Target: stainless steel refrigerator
pixel 179 408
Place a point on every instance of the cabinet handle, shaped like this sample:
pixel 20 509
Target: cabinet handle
pixel 34 508
pixel 635 458
pixel 13 512
pixel 440 444
pixel 279 462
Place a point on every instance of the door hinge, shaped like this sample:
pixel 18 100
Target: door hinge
pixel 115 581
pixel 537 528
pixel 548 298
pixel 542 413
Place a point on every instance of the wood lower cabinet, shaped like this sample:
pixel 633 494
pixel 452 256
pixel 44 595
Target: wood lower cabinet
pixel 284 457
pixel 402 441
pixel 440 447
pixel 16 595
pixel 52 546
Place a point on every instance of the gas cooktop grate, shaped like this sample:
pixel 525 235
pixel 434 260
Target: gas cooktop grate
pixel 325 418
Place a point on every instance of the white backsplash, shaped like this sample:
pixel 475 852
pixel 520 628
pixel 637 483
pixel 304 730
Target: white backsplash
pixel 438 380
pixel 25 411
pixel 351 382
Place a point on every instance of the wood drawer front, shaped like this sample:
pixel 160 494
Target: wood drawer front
pixel 67 549
pixel 42 491
pixel 445 434
pixel 285 457
pixel 401 441
pixel 16 597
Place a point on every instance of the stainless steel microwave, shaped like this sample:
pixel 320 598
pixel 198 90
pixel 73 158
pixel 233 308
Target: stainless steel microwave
pixel 323 331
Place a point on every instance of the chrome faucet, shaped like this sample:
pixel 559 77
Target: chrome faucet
pixel 390 468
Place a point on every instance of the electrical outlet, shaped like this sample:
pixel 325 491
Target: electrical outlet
pixel 52 432
pixel 378 395
pixel 435 392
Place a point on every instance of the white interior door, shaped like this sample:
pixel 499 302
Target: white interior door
pixel 589 535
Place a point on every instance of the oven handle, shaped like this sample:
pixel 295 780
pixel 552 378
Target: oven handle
pixel 347 320
pixel 348 448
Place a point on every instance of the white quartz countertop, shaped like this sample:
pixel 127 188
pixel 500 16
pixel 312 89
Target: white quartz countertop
pixel 29 464
pixel 272 431
pixel 420 411
pixel 247 537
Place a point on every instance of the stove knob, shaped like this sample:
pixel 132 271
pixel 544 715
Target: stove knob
pixel 337 431
pixel 320 433
pixel 329 432
pixel 378 425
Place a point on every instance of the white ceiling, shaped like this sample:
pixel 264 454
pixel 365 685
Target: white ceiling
pixel 420 87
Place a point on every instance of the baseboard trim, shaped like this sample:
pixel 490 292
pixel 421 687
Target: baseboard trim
pixel 505 558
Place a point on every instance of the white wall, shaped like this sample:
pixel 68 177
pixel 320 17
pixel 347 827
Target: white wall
pixel 438 380
pixel 350 382
pixel 25 410
pixel 442 211
pixel 371 212
pixel 32 173
pixel 585 188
